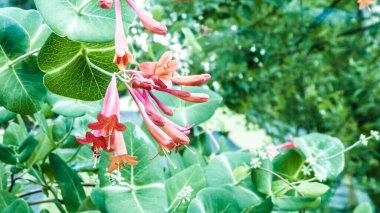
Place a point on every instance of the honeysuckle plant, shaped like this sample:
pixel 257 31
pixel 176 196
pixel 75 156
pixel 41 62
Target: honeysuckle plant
pixel 67 138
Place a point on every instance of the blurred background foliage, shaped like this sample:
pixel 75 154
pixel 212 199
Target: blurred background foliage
pixel 290 66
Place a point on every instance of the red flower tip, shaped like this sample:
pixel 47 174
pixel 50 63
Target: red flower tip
pixel 122 59
pixel 105 4
pixel 192 80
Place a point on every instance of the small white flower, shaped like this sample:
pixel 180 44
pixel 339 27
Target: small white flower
pixel 311 160
pixel 375 134
pixel 262 154
pixel 255 163
pixel 185 194
pixel 306 170
pixel 363 140
pixel 115 178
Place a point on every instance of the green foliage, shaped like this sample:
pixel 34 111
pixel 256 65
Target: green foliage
pixel 24 91
pixel 69 183
pixel 213 200
pixel 82 21
pixel 319 148
pixel 276 63
pixel 68 69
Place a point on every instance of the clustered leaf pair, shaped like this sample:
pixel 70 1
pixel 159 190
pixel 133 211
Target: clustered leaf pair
pixel 152 76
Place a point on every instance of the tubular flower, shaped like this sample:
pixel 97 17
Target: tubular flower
pixel 105 4
pixel 121 157
pixel 148 22
pixel 365 3
pixel 164 73
pixel 123 56
pixel 107 131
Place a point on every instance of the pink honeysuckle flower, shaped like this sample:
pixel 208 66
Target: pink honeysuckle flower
pixel 164 141
pixel 365 3
pixel 107 131
pixel 148 22
pixel 108 118
pixel 164 73
pixel 105 4
pixel 123 56
pixel 121 157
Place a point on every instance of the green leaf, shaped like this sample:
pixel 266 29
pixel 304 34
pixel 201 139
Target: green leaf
pixel 213 200
pixel 23 91
pixel 84 20
pixel 40 118
pixel 6 115
pixel 187 113
pixel 27 148
pixel 3 177
pixel 190 158
pixel 191 177
pixel 8 155
pixel 288 163
pixel 146 178
pixel 262 180
pixel 265 206
pixel 363 208
pixel 289 203
pixel 312 189
pixel 14 134
pixel 69 183
pixel 42 149
pixel 32 23
pixel 68 72
pixel 6 199
pixel 18 205
pixel 319 146
pixel 220 173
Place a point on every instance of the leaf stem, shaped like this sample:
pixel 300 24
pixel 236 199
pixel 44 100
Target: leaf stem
pixel 345 150
pixel 23 56
pixel 281 178
pixel 82 6
pixel 104 71
pixel 43 201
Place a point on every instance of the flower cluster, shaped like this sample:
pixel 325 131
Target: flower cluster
pixel 107 131
pixel 160 76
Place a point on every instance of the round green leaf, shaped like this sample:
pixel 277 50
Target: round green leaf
pixel 288 163
pixel 146 178
pixel 363 208
pixel 82 20
pixel 6 199
pixel 289 203
pixel 225 170
pixel 262 180
pixel 312 189
pixel 320 147
pixel 191 177
pixel 32 22
pixel 213 200
pixel 18 205
pixel 68 72
pixel 22 90
pixel 187 113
